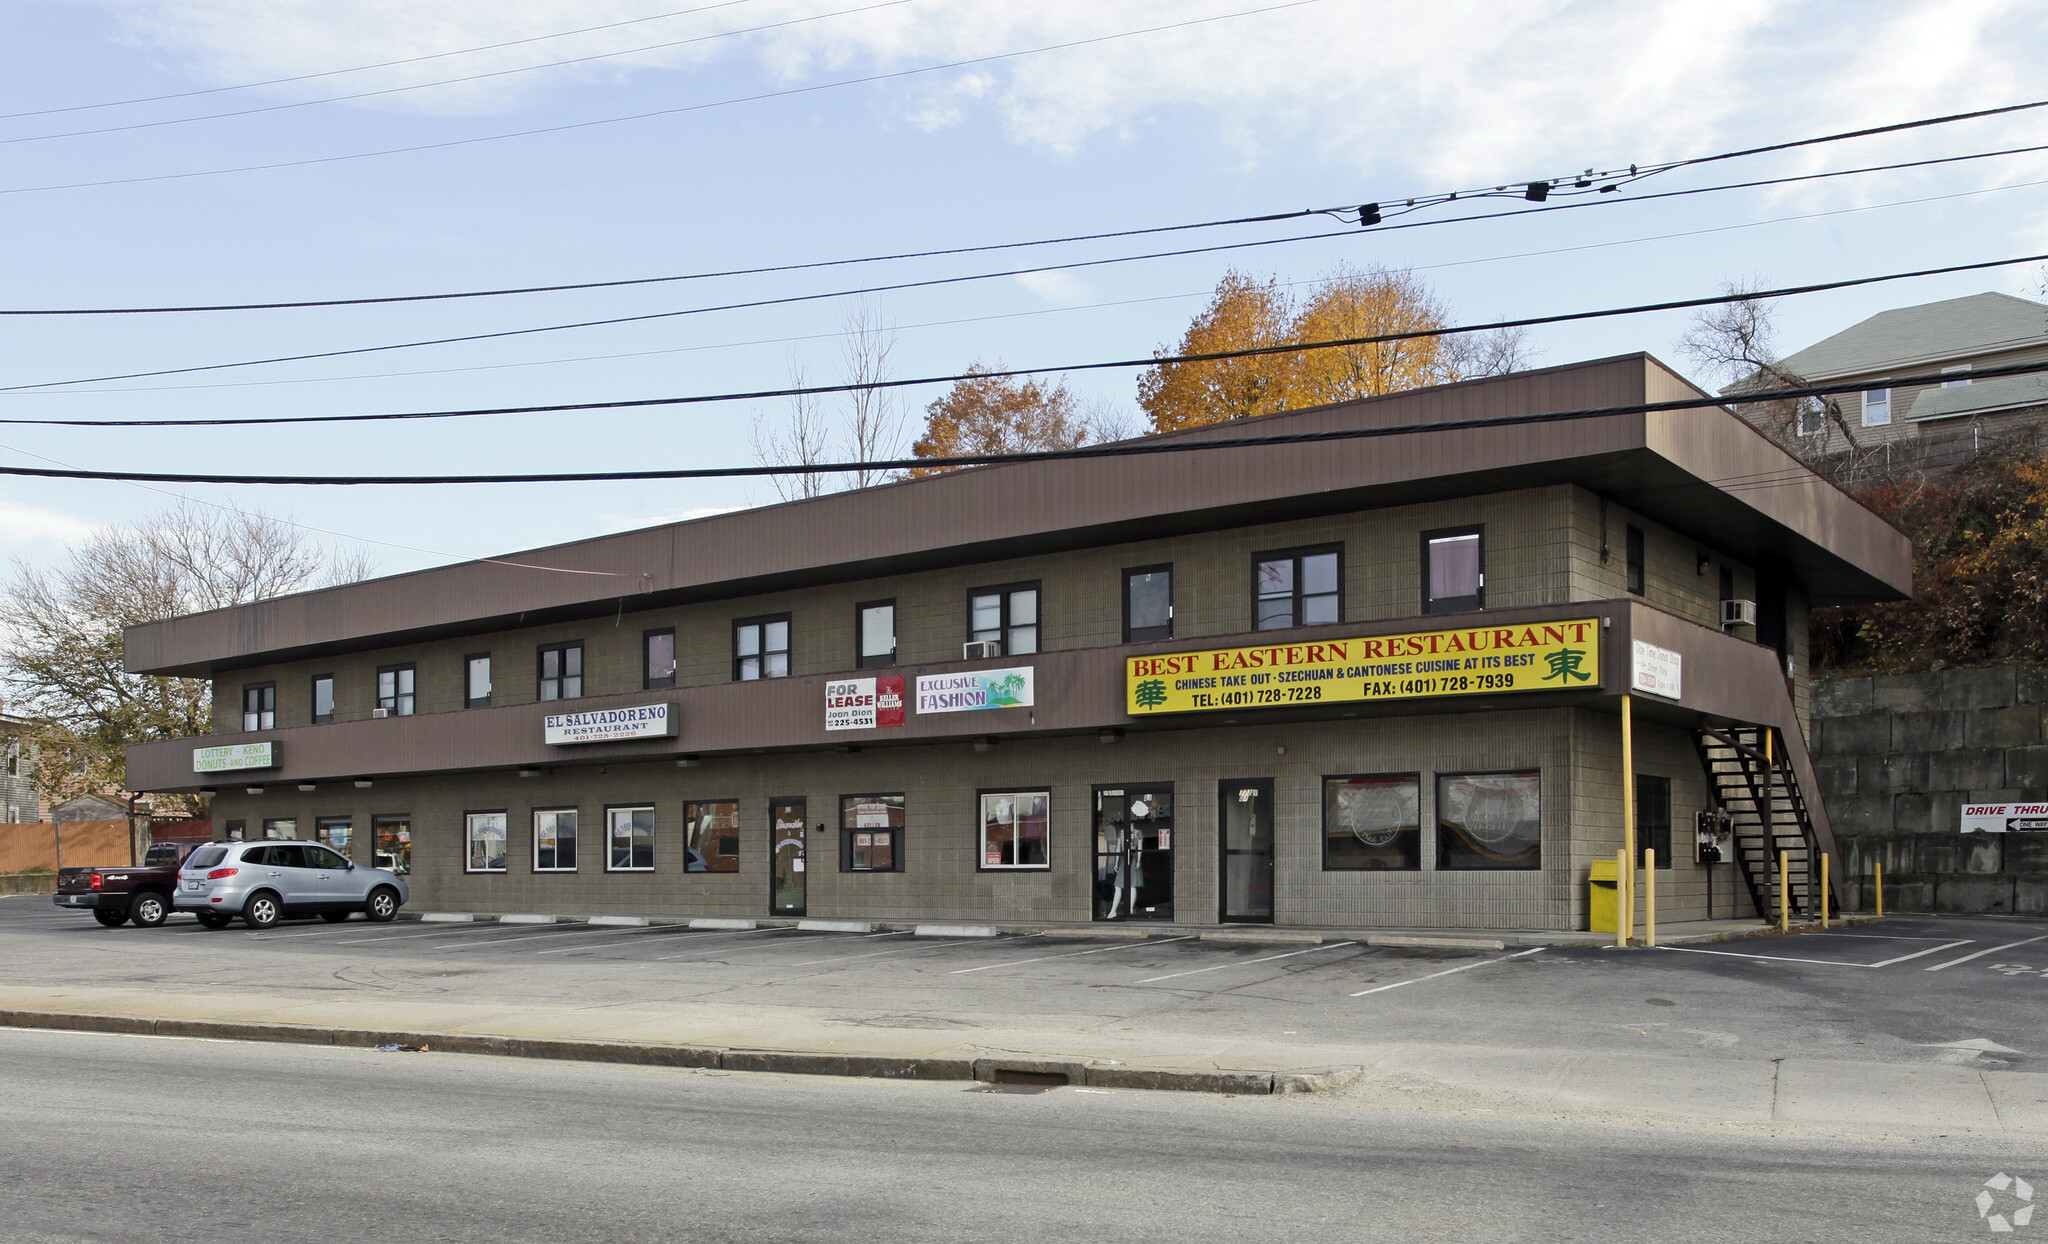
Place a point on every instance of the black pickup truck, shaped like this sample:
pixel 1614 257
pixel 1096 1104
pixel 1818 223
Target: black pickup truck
pixel 116 895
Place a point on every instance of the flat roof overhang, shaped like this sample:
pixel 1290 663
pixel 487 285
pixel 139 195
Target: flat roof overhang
pixel 1706 473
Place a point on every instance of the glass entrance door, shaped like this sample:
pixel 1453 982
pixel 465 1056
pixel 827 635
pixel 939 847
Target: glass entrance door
pixel 786 831
pixel 1247 820
pixel 1134 852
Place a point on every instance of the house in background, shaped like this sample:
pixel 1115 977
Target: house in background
pixel 20 800
pixel 1939 423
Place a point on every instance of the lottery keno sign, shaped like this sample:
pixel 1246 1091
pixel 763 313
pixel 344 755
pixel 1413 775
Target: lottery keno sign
pixel 1485 660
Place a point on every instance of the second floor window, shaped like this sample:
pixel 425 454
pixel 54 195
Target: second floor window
pixel 395 690
pixel 1635 561
pixel 658 659
pixel 323 699
pixel 1877 407
pixel 1148 604
pixel 561 671
pixel 477 681
pixel 1298 588
pixel 259 706
pixel 877 640
pixel 1006 614
pixel 1453 570
pixel 760 648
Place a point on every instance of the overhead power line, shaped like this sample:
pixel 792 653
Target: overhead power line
pixel 932 282
pixel 784 93
pixel 1119 449
pixel 474 77
pixel 890 257
pixel 1156 360
pixel 388 64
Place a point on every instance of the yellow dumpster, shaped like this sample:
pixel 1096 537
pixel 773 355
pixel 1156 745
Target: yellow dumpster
pixel 1602 898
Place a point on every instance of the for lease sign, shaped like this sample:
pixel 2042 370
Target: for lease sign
pixel 2000 818
pixel 864 703
pixel 1538 656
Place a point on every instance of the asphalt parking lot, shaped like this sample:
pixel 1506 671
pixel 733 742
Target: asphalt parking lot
pixel 1963 991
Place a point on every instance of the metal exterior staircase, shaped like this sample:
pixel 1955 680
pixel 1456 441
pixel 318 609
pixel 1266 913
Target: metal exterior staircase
pixel 1753 783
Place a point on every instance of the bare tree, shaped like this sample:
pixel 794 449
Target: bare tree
pixel 1735 345
pixel 874 421
pixel 801 439
pixel 1472 356
pixel 62 662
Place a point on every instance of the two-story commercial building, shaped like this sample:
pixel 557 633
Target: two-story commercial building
pixel 1347 682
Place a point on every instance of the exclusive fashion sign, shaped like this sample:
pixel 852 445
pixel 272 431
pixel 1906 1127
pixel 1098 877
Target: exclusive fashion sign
pixel 233 757
pixel 1480 660
pixel 864 703
pixel 976 689
pixel 610 725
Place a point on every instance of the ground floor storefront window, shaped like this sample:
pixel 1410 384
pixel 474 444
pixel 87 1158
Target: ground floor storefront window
pixel 554 840
pixel 392 837
pixel 632 839
pixel 484 842
pixel 1372 822
pixel 1489 820
pixel 711 836
pixel 1013 829
pixel 870 833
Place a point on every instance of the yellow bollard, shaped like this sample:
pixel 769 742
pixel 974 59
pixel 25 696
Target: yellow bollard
pixel 1880 887
pixel 1823 889
pixel 1628 818
pixel 1650 897
pixel 1621 920
pixel 1784 891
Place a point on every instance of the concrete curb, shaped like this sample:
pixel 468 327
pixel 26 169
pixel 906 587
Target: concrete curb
pixel 1042 1070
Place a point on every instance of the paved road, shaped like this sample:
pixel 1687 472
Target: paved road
pixel 1907 991
pixel 127 1138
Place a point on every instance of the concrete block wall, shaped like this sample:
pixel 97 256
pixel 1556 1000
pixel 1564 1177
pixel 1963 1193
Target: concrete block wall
pixel 1898 755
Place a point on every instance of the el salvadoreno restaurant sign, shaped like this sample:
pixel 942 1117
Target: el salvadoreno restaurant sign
pixel 610 725
pixel 1480 660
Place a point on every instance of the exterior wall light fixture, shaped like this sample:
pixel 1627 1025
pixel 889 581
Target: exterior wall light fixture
pixel 363 783
pixel 985 744
pixel 1110 735
pixel 531 773
pixel 252 790
pixel 687 762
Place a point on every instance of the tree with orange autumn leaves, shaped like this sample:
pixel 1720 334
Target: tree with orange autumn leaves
pixel 1245 313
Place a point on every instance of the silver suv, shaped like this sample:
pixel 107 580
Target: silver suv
pixel 263 882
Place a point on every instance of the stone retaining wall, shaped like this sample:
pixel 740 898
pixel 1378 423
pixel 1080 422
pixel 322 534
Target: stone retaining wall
pixel 1898 755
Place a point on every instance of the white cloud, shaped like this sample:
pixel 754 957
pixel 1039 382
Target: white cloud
pixel 1059 288
pixel 1452 91
pixel 24 525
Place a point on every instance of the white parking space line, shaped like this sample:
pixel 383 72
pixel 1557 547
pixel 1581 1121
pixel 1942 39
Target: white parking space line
pixel 1830 963
pixel 786 928
pixel 1099 950
pixel 671 930
pixel 1990 951
pixel 1243 963
pixel 1446 972
pixel 330 931
pixel 581 930
pixel 898 950
pixel 470 930
pixel 869 955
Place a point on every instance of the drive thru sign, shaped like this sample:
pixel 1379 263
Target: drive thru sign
pixel 1999 818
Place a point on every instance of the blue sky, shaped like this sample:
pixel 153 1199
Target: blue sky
pixel 1316 105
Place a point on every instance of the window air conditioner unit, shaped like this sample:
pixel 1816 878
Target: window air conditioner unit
pixel 981 649
pixel 380 712
pixel 1738 613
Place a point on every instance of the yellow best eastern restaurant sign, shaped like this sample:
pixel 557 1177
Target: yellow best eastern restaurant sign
pixel 1541 656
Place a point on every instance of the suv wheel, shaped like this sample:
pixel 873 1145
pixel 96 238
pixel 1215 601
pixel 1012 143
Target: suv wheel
pixel 214 919
pixel 148 910
pixel 263 910
pixel 383 904
pixel 109 917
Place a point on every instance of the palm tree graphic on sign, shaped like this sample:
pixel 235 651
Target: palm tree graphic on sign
pixel 1003 692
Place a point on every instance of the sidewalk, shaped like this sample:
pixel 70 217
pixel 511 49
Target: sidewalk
pixel 1620 1087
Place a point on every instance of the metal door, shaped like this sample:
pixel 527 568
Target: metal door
pixel 787 829
pixel 1134 852
pixel 1246 819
